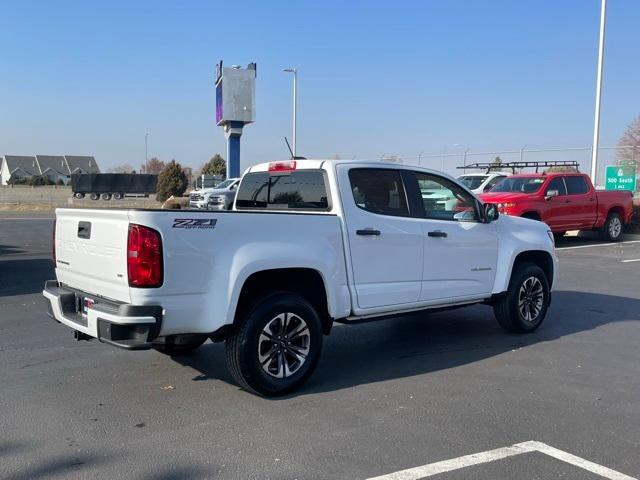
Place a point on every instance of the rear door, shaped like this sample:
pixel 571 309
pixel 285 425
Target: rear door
pixel 91 251
pixel 460 252
pixel 385 242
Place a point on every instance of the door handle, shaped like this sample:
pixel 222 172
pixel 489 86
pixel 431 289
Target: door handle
pixel 437 233
pixel 592 199
pixel 567 201
pixel 368 232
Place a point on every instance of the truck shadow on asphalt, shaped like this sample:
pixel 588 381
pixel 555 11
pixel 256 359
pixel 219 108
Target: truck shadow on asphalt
pixel 419 344
pixel 24 276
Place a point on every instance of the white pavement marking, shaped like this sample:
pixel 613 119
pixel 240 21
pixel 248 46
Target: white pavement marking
pixel 630 260
pixel 26 218
pixel 598 245
pixel 498 454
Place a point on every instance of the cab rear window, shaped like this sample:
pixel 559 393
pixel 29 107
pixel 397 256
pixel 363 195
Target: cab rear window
pixel 298 190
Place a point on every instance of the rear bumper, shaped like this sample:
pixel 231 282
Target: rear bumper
pixel 126 326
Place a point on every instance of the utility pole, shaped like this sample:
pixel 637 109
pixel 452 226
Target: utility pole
pixel 146 154
pixel 596 122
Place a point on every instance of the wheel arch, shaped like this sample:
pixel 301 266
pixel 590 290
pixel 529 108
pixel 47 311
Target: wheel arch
pixel 307 282
pixel 532 214
pixel 540 258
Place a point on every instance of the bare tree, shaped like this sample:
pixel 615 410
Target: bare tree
pixel 124 168
pixel 154 165
pixel 630 138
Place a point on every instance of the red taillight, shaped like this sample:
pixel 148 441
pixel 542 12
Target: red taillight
pixel 282 166
pixel 53 244
pixel 144 257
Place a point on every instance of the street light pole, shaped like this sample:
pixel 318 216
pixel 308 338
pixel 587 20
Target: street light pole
pixel 596 122
pixel 295 102
pixel 146 154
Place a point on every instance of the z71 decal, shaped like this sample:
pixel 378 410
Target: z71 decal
pixel 194 222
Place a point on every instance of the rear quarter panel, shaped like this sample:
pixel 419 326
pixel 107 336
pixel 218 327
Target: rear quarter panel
pixel 614 199
pixel 205 268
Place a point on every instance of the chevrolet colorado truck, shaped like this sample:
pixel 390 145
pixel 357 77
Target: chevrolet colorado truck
pixel 564 201
pixel 309 243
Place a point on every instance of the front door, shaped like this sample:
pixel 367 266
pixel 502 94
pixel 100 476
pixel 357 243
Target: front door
pixel 385 242
pixel 460 252
pixel 556 211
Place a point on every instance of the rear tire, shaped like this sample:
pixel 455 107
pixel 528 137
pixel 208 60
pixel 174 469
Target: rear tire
pixel 118 196
pixel 525 304
pixel 94 196
pixel 106 196
pixel 613 228
pixel 276 346
pixel 180 344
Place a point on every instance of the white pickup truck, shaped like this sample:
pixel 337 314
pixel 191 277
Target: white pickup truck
pixel 309 242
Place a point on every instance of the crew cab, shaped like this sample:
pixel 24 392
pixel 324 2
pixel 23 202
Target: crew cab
pixel 309 243
pixel 564 201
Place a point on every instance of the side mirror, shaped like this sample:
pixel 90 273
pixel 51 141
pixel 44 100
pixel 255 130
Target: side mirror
pixel 491 212
pixel 550 194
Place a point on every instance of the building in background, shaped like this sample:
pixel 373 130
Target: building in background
pixel 55 167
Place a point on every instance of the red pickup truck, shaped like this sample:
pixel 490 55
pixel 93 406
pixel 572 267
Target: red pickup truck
pixel 564 201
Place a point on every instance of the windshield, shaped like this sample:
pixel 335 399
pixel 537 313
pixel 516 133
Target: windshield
pixel 519 184
pixel 472 181
pixel 225 183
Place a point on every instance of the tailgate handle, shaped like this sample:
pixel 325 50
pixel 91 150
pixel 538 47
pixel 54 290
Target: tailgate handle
pixel 84 230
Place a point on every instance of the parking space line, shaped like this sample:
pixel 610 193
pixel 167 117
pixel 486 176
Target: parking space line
pixel 597 245
pixel 630 260
pixel 499 454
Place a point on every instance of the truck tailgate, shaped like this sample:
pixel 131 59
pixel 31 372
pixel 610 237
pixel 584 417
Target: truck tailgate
pixel 91 251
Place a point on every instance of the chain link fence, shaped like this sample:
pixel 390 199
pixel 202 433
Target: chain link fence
pixel 450 162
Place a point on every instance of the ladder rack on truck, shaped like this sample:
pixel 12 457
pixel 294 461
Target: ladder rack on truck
pixel 516 166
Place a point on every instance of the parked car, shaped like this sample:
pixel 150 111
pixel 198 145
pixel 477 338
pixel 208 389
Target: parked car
pixel 309 243
pixel 481 182
pixel 564 201
pixel 218 198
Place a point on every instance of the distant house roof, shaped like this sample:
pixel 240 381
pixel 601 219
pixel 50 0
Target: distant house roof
pixel 25 163
pixel 61 164
pixel 79 162
pixel 56 163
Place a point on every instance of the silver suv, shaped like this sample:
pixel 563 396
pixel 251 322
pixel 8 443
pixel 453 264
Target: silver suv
pixel 218 198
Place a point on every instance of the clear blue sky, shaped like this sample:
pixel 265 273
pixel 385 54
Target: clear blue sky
pixel 375 77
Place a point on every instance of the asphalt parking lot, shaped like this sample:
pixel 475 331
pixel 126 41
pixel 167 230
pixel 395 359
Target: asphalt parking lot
pixel 423 392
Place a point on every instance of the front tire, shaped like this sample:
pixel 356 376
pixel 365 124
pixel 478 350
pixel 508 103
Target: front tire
pixel 525 304
pixel 276 346
pixel 613 228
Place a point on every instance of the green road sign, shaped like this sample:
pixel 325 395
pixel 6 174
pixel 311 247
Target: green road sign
pixel 621 177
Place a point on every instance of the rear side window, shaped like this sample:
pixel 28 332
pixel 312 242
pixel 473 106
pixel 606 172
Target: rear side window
pixel 298 190
pixel 379 190
pixel 576 185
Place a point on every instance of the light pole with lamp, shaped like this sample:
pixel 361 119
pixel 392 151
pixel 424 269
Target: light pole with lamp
pixel 295 102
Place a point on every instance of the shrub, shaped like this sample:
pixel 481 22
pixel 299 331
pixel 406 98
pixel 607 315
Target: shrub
pixel 171 181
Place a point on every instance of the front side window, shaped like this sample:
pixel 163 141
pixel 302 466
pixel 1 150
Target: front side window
pixel 576 185
pixel 298 190
pixel 557 184
pixel 379 191
pixel 444 200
